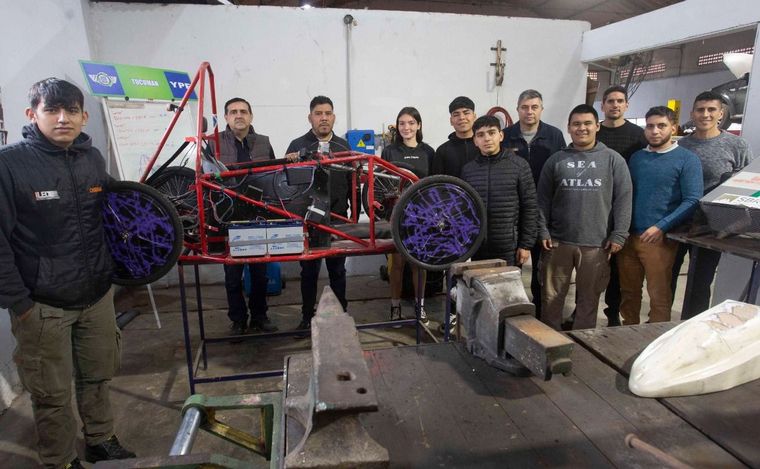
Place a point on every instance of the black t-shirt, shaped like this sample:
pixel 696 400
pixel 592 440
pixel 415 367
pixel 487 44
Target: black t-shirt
pixel 420 157
pixel 626 139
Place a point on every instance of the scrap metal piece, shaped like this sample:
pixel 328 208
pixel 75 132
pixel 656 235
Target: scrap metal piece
pixel 498 321
pixel 326 394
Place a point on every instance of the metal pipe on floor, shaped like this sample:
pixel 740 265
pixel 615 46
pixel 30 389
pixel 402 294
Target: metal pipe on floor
pixel 635 442
pixel 183 442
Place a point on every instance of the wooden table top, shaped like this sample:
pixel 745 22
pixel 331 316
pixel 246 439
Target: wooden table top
pixel 442 407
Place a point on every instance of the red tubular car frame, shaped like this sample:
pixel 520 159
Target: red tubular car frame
pixel 364 168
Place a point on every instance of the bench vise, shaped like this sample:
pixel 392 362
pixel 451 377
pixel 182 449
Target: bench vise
pixel 499 321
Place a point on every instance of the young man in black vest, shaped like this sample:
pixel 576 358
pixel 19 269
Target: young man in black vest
pixel 241 144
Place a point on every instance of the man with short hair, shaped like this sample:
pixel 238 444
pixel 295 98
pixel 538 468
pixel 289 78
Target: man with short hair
pixel 535 141
pixel 55 276
pixel 459 150
pixel 625 138
pixel 615 131
pixel 241 144
pixel 452 155
pixel 322 119
pixel 722 154
pixel 667 185
pixel 584 196
pixel 505 184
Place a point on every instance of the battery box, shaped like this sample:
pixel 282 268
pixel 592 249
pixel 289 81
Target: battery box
pixel 261 238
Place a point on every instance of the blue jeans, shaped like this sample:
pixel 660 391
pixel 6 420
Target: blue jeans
pixel 257 302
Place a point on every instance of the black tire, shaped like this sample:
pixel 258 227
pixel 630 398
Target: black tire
pixel 175 182
pixel 287 190
pixel 387 192
pixel 143 232
pixel 725 123
pixel 438 221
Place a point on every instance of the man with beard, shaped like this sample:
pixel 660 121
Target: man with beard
pixel 667 185
pixel 322 119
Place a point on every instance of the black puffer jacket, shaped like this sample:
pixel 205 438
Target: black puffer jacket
pixel 505 184
pixel 52 247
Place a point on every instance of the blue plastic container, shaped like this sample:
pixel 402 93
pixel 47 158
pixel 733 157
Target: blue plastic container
pixel 274 279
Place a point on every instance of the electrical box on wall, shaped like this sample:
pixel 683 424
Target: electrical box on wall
pixel 361 140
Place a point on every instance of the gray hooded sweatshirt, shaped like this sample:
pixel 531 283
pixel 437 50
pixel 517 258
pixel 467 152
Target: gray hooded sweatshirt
pixel 585 197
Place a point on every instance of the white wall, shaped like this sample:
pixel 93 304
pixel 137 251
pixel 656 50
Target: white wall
pixel 39 39
pixel 281 57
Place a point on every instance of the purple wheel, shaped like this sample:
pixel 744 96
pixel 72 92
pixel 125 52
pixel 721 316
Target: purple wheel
pixel 437 221
pixel 143 232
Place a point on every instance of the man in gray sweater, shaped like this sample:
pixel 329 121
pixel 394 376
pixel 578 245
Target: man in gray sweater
pixel 584 197
pixel 722 154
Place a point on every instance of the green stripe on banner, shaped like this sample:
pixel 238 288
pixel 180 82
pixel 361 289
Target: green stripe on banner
pixel 135 82
pixel 756 194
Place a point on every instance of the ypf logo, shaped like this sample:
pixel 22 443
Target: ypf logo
pixel 179 83
pixel 104 79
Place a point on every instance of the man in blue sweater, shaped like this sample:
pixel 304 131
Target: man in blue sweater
pixel 667 185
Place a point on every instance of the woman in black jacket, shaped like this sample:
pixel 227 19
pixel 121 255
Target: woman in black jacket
pixel 408 148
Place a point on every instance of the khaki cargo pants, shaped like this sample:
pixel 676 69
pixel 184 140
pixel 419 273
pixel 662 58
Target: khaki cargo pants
pixel 592 273
pixel 53 345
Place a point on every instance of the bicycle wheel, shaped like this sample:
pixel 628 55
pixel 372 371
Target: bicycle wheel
pixel 143 232
pixel 438 221
pixel 387 191
pixel 175 183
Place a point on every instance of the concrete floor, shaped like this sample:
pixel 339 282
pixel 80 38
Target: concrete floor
pixel 152 384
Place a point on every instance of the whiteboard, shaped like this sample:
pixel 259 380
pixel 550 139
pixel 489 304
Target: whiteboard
pixel 136 129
